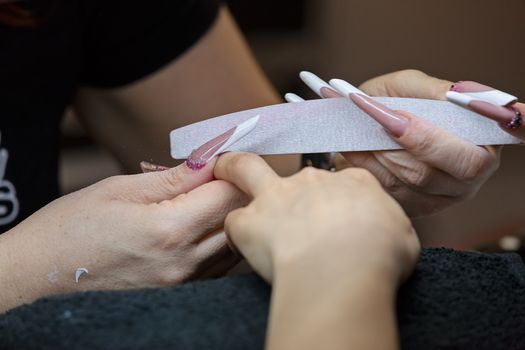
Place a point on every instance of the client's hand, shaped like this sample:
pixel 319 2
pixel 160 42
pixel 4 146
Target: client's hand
pixel 334 246
pixel 435 169
pixel 134 231
pixel 317 221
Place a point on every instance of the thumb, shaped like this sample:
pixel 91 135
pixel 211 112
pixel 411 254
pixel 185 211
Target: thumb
pixel 159 186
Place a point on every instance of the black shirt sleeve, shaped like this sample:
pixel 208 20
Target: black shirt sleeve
pixel 126 40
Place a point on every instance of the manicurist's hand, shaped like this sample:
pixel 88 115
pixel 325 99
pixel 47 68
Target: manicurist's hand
pixel 436 169
pixel 136 231
pixel 334 245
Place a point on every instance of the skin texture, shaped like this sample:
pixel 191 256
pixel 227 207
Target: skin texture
pixel 436 169
pixel 169 230
pixel 124 235
pixel 334 245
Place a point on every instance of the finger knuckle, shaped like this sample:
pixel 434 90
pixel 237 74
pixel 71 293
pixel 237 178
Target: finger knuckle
pixel 425 140
pixel 410 73
pixel 363 175
pixel 419 176
pixel 239 161
pixel 475 165
pixel 310 173
pixel 171 178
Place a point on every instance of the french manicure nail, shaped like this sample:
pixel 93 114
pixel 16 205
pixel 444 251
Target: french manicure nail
pixel 202 155
pixel 506 116
pixel 293 98
pixel 318 85
pixel 394 123
pixel 345 88
pixel 484 93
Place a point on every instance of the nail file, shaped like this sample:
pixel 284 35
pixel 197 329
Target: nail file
pixel 333 125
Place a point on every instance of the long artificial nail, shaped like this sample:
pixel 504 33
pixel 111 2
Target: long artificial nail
pixel 506 116
pixel 148 167
pixel 483 93
pixel 202 155
pixel 293 98
pixel 394 123
pixel 345 88
pixel 318 85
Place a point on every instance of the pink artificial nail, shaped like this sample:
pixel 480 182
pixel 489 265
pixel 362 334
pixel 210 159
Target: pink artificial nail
pixel 328 93
pixel 470 86
pixel 483 93
pixel 506 116
pixel 202 155
pixel 393 122
pixel 148 167
pixel 318 85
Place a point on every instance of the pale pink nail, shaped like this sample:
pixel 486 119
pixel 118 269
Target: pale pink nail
pixel 202 155
pixel 393 122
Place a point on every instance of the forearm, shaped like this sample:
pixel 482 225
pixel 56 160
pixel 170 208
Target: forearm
pixel 219 75
pixel 347 313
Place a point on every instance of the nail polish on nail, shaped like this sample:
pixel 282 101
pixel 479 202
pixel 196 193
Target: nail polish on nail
pixel 345 88
pixel 506 116
pixel 394 123
pixel 318 85
pixel 293 98
pixel 202 155
pixel 483 92
pixel 148 167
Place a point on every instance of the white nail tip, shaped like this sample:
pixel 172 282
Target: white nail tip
pixel 79 272
pixel 313 81
pixel 345 88
pixel 293 98
pixel 459 98
pixel 240 132
pixel 495 97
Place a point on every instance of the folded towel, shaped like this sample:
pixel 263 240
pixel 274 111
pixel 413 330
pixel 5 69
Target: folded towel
pixel 454 300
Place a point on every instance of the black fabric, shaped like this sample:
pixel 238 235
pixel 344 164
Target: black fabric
pixel 454 300
pixel 100 43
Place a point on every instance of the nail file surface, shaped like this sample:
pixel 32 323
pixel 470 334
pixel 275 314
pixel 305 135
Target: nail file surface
pixel 333 125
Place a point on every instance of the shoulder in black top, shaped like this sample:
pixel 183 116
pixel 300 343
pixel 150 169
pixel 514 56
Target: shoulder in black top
pixel 98 43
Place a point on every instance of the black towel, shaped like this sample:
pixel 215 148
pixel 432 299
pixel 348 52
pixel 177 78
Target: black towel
pixel 454 300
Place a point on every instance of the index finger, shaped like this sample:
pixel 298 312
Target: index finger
pixel 408 83
pixel 247 171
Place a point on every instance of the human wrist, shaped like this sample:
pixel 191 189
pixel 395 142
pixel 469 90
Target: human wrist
pixel 348 307
pixel 333 266
pixel 23 267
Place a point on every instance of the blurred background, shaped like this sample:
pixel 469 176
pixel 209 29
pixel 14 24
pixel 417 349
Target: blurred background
pixel 357 40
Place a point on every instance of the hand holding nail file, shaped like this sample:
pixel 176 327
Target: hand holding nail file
pixel 331 125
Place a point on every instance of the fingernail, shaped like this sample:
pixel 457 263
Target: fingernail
pixel 202 155
pixel 318 85
pixel 484 93
pixel 293 98
pixel 148 167
pixel 345 88
pixel 506 116
pixel 394 123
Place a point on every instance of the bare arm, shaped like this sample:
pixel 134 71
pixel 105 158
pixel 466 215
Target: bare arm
pixel 218 75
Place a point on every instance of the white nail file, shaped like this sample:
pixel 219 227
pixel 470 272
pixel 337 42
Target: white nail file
pixel 333 125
